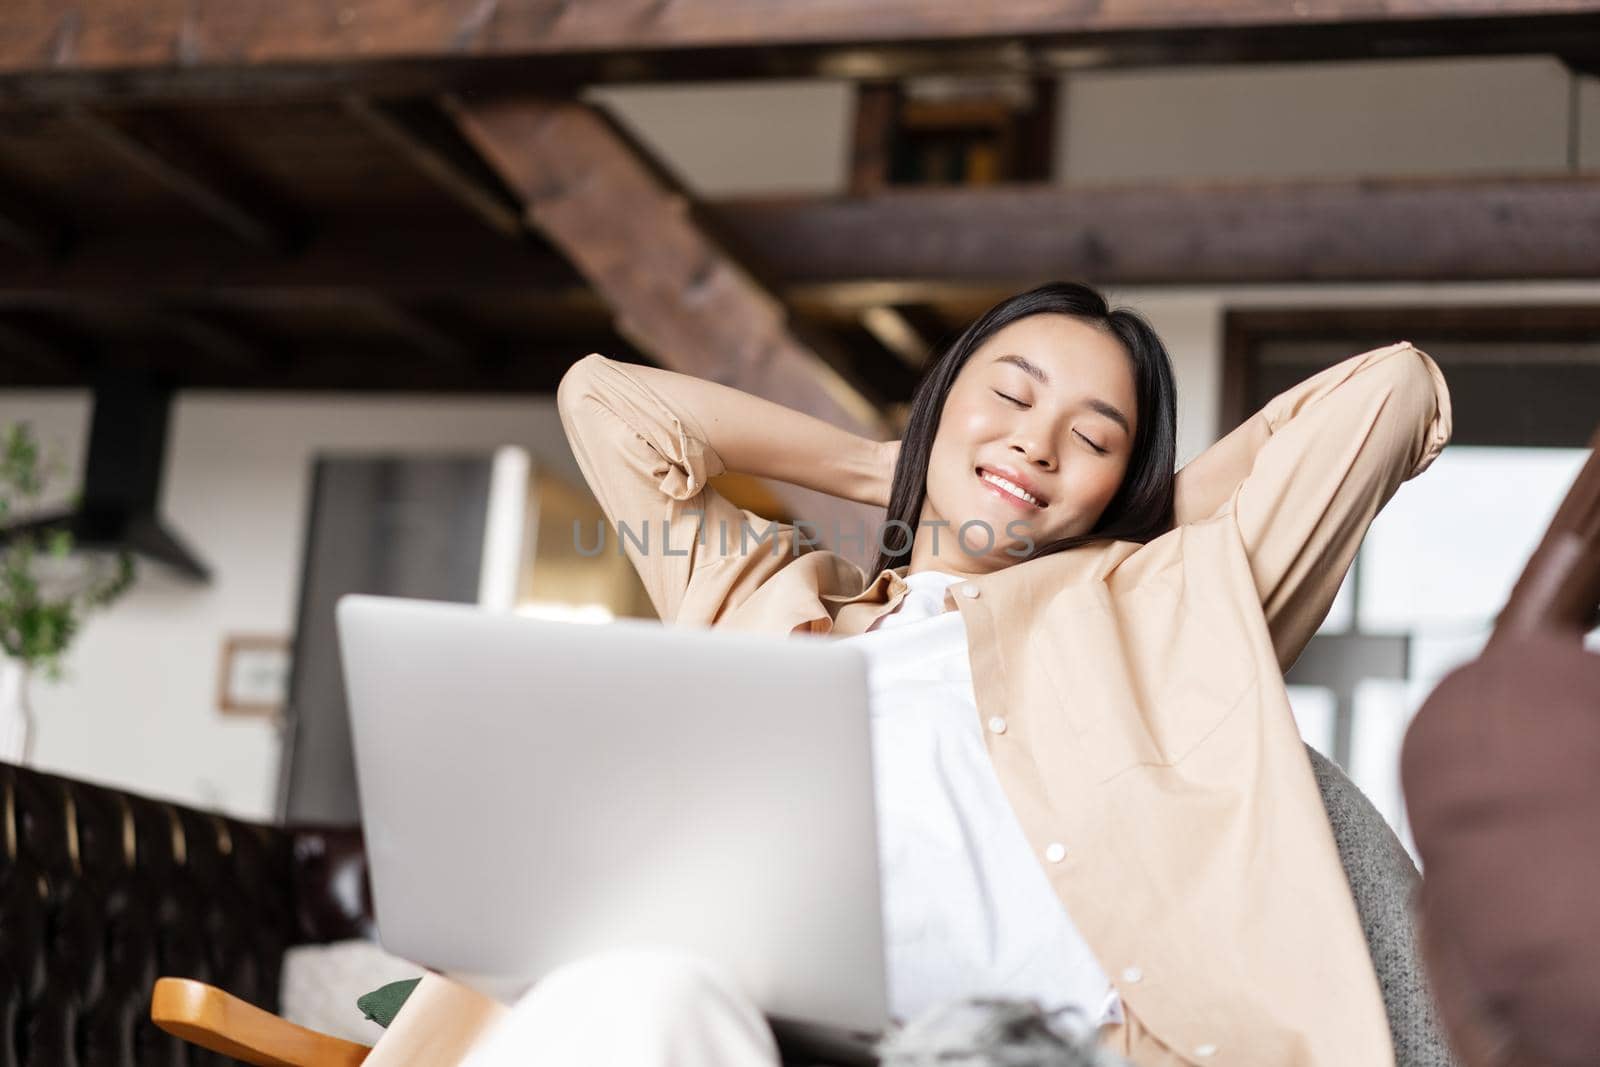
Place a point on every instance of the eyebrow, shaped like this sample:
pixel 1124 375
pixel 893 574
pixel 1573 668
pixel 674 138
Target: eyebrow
pixel 1095 404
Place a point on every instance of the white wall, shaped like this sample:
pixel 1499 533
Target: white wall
pixel 139 707
pixel 743 138
pixel 1332 120
pixel 1395 117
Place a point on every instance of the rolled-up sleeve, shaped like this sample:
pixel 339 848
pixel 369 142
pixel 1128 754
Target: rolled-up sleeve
pixel 1304 477
pixel 648 465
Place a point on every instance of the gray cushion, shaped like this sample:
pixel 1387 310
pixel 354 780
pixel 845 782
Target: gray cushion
pixel 1383 881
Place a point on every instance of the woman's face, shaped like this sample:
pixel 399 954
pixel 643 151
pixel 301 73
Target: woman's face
pixel 1047 404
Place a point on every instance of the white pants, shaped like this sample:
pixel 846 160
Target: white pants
pixel 631 1008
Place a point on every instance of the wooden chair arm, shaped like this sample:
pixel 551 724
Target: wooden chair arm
pixel 212 1019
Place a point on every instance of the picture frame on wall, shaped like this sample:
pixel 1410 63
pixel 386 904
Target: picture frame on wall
pixel 253 678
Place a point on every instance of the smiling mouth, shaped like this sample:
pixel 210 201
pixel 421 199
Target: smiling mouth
pixel 1010 490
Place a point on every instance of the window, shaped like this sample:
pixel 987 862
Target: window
pixel 1442 557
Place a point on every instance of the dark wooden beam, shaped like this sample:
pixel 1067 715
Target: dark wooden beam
pixel 891 329
pixel 872 136
pixel 414 329
pixel 1465 229
pixel 211 339
pixel 677 293
pixel 399 258
pixel 36 354
pixel 122 34
pixel 425 136
pixel 1384 230
pixel 532 367
pixel 28 227
pixel 117 51
pixel 216 187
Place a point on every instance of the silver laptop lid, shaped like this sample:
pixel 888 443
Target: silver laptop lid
pixel 534 791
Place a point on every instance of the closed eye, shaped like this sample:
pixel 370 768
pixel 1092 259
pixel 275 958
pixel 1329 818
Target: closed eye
pixel 1020 404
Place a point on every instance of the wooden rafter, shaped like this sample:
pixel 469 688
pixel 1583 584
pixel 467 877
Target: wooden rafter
pixel 413 259
pixel 674 290
pixel 121 34
pixel 214 340
pixel 28 227
pixel 191 170
pixel 912 332
pixel 416 330
pixel 426 137
pixel 871 139
pixel 1457 229
pixel 19 344
pixel 533 367
pixel 677 294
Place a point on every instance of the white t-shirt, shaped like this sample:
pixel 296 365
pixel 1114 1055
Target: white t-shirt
pixel 967 908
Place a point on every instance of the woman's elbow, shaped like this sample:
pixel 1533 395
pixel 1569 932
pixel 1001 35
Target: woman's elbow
pixel 578 383
pixel 1418 403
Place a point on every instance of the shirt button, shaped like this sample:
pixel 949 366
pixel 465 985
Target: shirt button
pixel 1205 1050
pixel 997 725
pixel 1055 852
pixel 970 591
pixel 1132 975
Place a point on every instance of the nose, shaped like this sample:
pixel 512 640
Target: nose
pixel 1035 453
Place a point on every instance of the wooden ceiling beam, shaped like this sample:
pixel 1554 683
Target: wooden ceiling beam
pixel 116 53
pixel 214 340
pixel 677 293
pixel 407 258
pixel 28 227
pixel 912 332
pixel 416 330
pixel 1458 229
pixel 129 37
pixel 1452 229
pixel 175 159
pixel 34 352
pixel 431 142
pixel 613 212
pixel 532 366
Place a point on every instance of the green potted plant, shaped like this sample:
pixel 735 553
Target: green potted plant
pixel 46 590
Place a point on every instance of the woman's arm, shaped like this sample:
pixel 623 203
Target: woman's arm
pixel 1304 477
pixel 756 436
pixel 648 441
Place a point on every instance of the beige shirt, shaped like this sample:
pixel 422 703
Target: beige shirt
pixel 1148 747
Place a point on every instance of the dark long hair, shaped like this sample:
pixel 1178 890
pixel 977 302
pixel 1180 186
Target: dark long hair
pixel 1141 510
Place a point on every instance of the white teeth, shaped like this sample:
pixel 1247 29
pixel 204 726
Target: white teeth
pixel 1010 487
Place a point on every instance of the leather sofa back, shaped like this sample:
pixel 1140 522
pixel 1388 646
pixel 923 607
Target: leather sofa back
pixel 103 891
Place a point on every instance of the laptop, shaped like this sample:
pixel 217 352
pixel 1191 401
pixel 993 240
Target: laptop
pixel 533 791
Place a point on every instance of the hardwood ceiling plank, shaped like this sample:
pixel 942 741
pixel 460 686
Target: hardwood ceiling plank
pixel 908 247
pixel 681 296
pixel 1445 229
pixel 120 35
pixel 419 332
pixel 677 293
pixel 421 133
pixel 198 174
pixel 35 352
pixel 27 226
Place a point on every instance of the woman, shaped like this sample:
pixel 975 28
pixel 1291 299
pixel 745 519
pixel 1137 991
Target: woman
pixel 1091 788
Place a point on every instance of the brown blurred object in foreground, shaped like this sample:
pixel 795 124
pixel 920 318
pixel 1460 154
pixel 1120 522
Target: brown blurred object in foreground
pixel 1501 770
